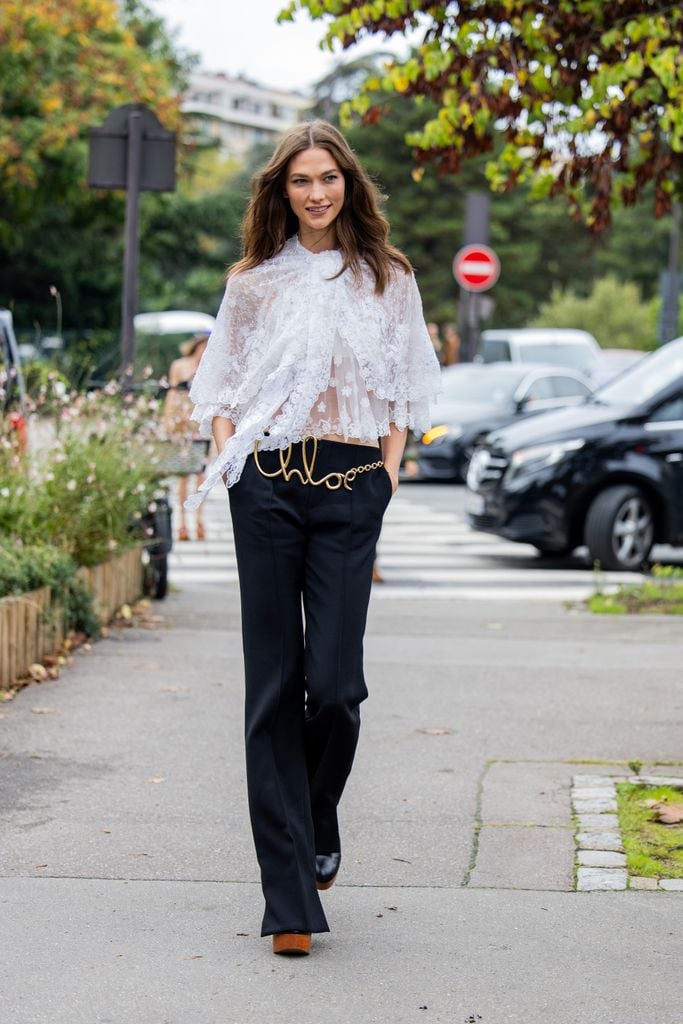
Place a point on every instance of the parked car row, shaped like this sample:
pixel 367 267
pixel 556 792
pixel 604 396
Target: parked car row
pixel 478 399
pixel 607 473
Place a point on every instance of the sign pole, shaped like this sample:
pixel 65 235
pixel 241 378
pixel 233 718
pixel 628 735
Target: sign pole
pixel 476 268
pixel 131 245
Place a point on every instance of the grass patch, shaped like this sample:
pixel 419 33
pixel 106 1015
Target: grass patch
pixel 660 595
pixel 653 850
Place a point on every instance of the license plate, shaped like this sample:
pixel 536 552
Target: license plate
pixel 474 504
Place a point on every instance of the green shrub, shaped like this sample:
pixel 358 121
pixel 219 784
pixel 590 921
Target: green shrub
pixel 614 313
pixel 24 569
pixel 85 493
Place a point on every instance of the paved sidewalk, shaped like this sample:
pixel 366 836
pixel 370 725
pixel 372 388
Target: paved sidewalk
pixel 128 885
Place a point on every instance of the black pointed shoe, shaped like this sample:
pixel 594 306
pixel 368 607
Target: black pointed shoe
pixel 326 869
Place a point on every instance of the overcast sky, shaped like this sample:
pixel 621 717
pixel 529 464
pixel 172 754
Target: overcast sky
pixel 243 36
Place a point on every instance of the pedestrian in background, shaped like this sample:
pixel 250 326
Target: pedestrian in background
pixel 436 340
pixel 451 345
pixel 177 413
pixel 319 363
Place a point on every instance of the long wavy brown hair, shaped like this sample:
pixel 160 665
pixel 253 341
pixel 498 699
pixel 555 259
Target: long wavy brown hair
pixel 362 230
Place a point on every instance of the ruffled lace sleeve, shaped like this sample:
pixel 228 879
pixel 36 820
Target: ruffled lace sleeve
pixel 222 366
pixel 414 374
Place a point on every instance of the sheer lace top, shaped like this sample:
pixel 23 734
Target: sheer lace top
pixel 296 352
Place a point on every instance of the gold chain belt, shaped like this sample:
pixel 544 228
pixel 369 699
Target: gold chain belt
pixel 333 481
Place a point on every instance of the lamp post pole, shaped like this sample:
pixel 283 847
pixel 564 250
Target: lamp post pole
pixel 131 251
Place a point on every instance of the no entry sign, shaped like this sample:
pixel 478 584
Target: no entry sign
pixel 476 268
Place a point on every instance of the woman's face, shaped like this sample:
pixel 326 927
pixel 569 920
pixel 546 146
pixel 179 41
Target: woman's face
pixel 314 185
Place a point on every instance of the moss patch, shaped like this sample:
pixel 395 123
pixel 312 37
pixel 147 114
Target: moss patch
pixel 653 850
pixel 660 595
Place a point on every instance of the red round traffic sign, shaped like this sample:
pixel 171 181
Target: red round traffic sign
pixel 476 268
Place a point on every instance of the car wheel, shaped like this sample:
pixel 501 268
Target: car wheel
pixel 619 529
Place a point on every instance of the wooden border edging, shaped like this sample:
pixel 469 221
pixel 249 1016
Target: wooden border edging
pixel 31 625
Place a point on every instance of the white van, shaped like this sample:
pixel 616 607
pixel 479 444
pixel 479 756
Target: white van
pixel 561 346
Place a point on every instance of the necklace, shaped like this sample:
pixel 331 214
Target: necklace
pixel 318 242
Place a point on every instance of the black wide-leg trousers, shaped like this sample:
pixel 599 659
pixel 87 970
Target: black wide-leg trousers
pixel 304 557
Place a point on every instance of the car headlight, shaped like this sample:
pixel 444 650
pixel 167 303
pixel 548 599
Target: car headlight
pixel 527 461
pixel 437 434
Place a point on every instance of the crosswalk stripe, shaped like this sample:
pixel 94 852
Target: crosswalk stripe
pixel 423 553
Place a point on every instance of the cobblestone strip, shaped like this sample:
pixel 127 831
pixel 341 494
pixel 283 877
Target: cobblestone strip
pixel 600 856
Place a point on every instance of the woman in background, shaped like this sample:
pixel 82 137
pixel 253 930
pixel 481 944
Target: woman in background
pixel 177 419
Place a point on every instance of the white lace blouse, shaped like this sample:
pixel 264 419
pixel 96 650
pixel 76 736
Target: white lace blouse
pixel 294 353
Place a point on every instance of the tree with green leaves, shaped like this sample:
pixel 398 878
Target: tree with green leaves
pixel 614 312
pixel 587 97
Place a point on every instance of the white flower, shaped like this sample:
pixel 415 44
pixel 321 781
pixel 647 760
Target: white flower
pixel 322 407
pixel 113 544
pixel 71 486
pixel 346 391
pixel 5 492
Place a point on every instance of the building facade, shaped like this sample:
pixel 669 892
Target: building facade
pixel 236 114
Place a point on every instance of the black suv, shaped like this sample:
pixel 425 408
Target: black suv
pixel 608 473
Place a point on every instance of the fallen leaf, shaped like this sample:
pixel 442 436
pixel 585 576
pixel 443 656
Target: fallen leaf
pixel 6 695
pixel 50 659
pixel 194 956
pixel 244 934
pixel 670 814
pixel 104 631
pixel 401 860
pixel 125 612
pixel 53 672
pixel 138 853
pixel 379 915
pixel 40 865
pixel 107 830
pixel 45 711
pixel 37 672
pixel 436 730
pixel 391 908
pixel 157 778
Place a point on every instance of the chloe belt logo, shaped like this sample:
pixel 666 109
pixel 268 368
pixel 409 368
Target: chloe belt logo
pixel 333 481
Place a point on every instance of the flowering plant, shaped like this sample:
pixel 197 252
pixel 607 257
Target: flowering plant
pixel 90 476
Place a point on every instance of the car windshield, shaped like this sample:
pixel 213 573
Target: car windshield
pixel 578 357
pixel 647 377
pixel 479 384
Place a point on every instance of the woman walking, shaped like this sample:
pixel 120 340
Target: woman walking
pixel 318 364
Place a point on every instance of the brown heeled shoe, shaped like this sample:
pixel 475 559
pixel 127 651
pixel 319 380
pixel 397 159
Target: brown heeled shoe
pixel 183 534
pixel 376 574
pixel 292 943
